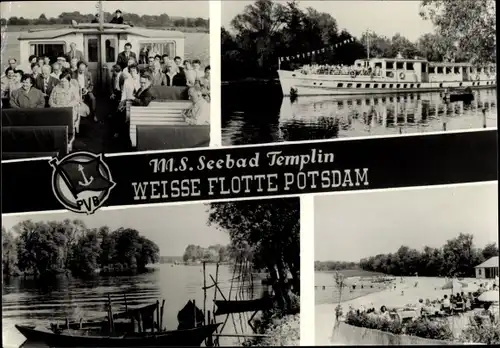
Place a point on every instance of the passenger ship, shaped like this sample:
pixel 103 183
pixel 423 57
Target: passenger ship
pixel 393 75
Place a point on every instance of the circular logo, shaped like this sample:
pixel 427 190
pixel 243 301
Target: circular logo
pixel 81 181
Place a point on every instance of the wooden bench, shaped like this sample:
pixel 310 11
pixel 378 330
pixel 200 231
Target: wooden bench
pixel 41 117
pixel 156 114
pixel 163 137
pixel 29 139
pixel 23 155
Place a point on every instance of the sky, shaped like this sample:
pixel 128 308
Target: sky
pixel 383 17
pixel 33 9
pixel 349 227
pixel 172 228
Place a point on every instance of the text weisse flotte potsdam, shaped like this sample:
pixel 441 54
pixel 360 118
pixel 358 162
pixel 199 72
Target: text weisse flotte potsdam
pixel 271 158
pixel 232 186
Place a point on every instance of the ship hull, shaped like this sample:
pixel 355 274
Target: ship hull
pixel 295 83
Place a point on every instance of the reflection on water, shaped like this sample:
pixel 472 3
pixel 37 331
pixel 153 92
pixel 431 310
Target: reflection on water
pixel 260 119
pixel 23 301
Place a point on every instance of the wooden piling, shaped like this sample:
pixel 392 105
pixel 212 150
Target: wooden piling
pixel 110 311
pixel 209 341
pixel 204 292
pixel 484 118
pixel 158 315
pixel 444 126
pixel 161 315
pixel 194 308
pixel 217 287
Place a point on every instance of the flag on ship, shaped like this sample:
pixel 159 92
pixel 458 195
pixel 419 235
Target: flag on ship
pixel 312 53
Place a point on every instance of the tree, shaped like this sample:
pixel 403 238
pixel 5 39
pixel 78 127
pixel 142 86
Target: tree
pixel 469 24
pixel 270 230
pixel 9 253
pixel 490 250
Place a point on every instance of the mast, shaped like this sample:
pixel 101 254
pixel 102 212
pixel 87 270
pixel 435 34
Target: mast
pixel 101 16
pixel 368 44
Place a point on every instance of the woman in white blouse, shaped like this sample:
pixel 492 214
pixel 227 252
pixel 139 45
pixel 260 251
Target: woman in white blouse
pixel 131 83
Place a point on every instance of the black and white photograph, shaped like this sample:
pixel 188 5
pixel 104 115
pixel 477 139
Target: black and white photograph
pixel 203 274
pixel 407 267
pixel 307 70
pixel 104 76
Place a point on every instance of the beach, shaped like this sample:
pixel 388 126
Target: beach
pixel 405 293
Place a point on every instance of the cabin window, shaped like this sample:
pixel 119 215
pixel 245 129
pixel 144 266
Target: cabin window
pixel 111 51
pixel 340 85
pixel 49 49
pixel 432 70
pixel 424 68
pixel 400 65
pixel 492 69
pixel 456 70
pixel 439 69
pixel 418 85
pixel 389 65
pixel 375 85
pixel 383 85
pixel 409 66
pixel 448 70
pixel 391 85
pixel 404 86
pixel 367 85
pixel 411 85
pixel 378 65
pixel 160 48
pixel 349 85
pixel 398 85
pixel 367 102
pixel 358 85
pixel 479 70
pixel 93 50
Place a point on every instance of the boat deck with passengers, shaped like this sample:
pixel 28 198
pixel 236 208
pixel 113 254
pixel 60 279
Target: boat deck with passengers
pixel 385 75
pixel 160 126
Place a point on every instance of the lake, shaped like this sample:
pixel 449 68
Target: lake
pixel 23 301
pixel 255 113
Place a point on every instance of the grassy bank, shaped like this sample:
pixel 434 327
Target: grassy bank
pixel 281 331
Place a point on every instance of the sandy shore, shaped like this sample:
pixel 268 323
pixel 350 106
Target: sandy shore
pixel 404 294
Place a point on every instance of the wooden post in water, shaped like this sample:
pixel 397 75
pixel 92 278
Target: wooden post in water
pixel 209 342
pixel 484 118
pixel 110 313
pixel 444 125
pixel 161 315
pixel 194 308
pixel 158 315
pixel 204 292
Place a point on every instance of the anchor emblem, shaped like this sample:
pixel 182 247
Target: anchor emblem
pixel 86 182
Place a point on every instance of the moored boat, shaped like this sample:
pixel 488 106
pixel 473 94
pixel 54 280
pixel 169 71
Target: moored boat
pixel 87 338
pixel 385 75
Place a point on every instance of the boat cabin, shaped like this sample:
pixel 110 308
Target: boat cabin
pixel 100 45
pixel 421 70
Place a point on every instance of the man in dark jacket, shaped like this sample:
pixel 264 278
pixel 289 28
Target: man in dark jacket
pixel 143 96
pixel 117 19
pixel 124 56
pixel 46 83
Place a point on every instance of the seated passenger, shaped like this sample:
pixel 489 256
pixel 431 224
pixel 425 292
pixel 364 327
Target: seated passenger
pixel 73 65
pixel 173 77
pixel 67 95
pixel 116 83
pixel 143 96
pixel 117 19
pixel 28 96
pixel 35 70
pixel 199 113
pixel 124 57
pixel 197 69
pixel 45 82
pixel 56 70
pixel 159 78
pixel 86 83
pixel 131 83
pixel 189 73
pixel 16 82
pixel 7 80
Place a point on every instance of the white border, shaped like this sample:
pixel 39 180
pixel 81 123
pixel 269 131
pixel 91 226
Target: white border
pixel 307 304
pixel 215 75
pixel 283 143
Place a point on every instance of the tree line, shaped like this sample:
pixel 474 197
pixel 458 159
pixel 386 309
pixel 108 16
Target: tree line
pixel 334 265
pixel 457 257
pixel 267 234
pixel 162 20
pixel 266 30
pixel 55 247
pixel 212 254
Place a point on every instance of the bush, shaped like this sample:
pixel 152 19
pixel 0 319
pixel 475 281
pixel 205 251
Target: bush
pixel 433 329
pixel 480 332
pixel 374 322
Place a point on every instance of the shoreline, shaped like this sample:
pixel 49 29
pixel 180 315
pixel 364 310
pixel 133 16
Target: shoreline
pixel 17 28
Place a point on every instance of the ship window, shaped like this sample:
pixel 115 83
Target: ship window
pixel 391 85
pixel 367 102
pixel 492 69
pixel 398 85
pixel 111 51
pixel 383 85
pixel 367 85
pixel 389 65
pixel 424 68
pixel 375 85
pixel 460 84
pixel 432 70
pixel 349 85
pixel 358 85
pixel 378 65
pixel 439 69
pixel 93 50
pixel 340 85
pixel 154 48
pixel 456 70
pixel 448 70
pixel 418 85
pixel 404 86
pixel 409 66
pixel 400 65
pixel 51 50
pixel 440 85
pixel 411 85
pixel 479 70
